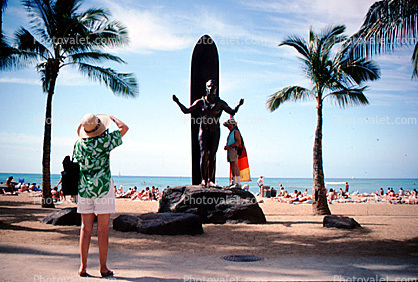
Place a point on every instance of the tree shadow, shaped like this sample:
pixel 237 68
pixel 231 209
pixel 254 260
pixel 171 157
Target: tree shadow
pixel 274 238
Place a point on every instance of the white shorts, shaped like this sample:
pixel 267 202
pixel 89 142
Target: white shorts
pixel 103 205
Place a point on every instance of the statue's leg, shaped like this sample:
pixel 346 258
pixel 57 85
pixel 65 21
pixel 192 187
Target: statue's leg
pixel 214 143
pixel 204 155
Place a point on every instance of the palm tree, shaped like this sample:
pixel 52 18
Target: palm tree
pixel 3 5
pixel 5 49
pixel 64 37
pixel 338 78
pixel 389 24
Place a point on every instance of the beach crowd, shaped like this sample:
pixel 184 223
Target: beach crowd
pixel 147 194
pixel 344 196
pixel 12 187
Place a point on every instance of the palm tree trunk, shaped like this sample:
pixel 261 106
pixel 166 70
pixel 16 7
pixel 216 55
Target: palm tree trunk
pixel 319 196
pixel 47 201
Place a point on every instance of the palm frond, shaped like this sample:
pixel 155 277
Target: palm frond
pixel 3 5
pixel 328 39
pixel 7 56
pixel 389 24
pixel 65 8
pixel 110 34
pixel 95 56
pixel 26 42
pixel 359 70
pixel 124 84
pixel 415 61
pixel 92 16
pixel 294 93
pixel 349 97
pixel 45 76
pixel 41 15
pixel 299 44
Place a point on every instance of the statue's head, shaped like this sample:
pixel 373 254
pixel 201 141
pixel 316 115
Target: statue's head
pixel 211 90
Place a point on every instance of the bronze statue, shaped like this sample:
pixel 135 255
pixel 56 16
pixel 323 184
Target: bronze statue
pixel 209 108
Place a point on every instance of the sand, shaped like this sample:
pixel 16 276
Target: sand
pixel 293 245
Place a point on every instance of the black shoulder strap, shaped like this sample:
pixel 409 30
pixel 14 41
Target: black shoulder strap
pixel 72 158
pixel 242 139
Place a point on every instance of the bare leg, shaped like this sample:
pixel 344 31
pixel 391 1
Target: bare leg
pixel 211 166
pixel 85 237
pixel 103 239
pixel 235 169
pixel 204 165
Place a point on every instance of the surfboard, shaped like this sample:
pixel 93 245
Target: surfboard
pixel 204 66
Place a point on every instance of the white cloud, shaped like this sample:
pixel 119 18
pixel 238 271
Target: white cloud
pixel 150 30
pixel 19 80
pixel 315 12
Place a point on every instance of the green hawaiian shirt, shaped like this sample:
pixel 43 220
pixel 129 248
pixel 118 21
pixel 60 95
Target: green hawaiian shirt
pixel 92 154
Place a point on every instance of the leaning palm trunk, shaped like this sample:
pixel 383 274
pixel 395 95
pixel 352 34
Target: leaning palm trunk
pixel 47 201
pixel 319 197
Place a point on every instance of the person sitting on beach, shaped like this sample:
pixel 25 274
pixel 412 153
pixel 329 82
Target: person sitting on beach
pixel 10 185
pixel 55 194
pixel 341 194
pixel 157 194
pixel 119 192
pixel 331 195
pixel 295 197
pixel 138 195
pixel 147 194
pixel 401 193
pixel 60 192
pixel 290 198
pixel 391 193
pixel 24 187
pixel 131 192
pixel 381 192
pixel 412 199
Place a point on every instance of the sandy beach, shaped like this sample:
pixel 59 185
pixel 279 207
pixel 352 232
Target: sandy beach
pixel 293 245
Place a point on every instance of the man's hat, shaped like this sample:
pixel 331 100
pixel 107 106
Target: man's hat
pixel 230 121
pixel 93 125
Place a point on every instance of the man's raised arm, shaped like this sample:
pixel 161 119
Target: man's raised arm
pixel 230 111
pixel 183 108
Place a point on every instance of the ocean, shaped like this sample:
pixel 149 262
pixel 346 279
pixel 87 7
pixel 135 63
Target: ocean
pixel 362 185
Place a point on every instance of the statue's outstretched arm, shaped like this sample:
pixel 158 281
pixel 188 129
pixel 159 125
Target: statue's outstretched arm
pixel 183 108
pixel 230 111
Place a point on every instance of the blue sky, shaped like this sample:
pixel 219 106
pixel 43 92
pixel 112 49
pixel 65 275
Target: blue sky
pixel 378 140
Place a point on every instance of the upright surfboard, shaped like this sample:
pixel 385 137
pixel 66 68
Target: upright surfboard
pixel 205 66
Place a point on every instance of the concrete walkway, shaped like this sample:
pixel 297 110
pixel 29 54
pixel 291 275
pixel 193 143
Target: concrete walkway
pixel 60 263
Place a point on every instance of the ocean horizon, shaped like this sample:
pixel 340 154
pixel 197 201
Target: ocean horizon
pixel 362 185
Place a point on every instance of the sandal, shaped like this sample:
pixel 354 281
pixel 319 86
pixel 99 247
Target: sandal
pixel 83 274
pixel 107 273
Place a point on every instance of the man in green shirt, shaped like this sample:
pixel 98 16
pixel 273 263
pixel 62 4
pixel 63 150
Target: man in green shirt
pixel 96 195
